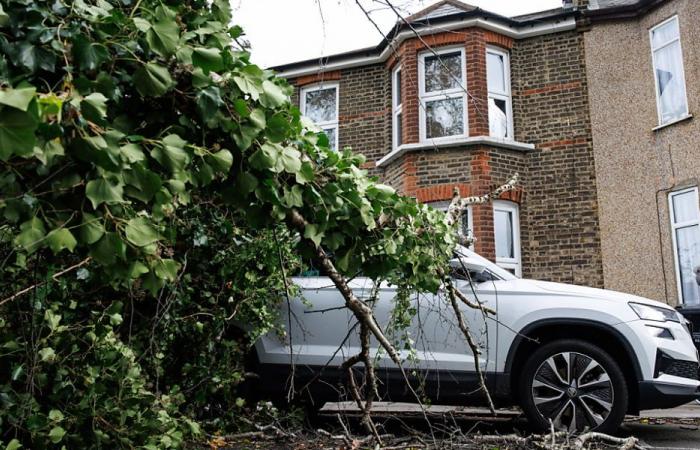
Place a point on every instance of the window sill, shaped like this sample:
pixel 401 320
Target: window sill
pixel 455 142
pixel 673 122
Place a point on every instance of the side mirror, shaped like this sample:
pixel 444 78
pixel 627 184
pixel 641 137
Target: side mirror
pixel 466 264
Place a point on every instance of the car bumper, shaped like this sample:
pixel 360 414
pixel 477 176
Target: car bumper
pixel 659 395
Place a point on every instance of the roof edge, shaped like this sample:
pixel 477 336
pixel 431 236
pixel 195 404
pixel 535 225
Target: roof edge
pixel 622 12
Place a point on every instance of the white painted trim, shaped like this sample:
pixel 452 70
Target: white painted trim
pixel 507 95
pixel 674 227
pixel 436 144
pixel 330 123
pixel 396 107
pixel 672 122
pixel 458 92
pixel 515 33
pixel 516 262
pixel 653 64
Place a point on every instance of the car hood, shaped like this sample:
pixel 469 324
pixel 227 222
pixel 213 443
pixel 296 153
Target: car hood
pixel 572 290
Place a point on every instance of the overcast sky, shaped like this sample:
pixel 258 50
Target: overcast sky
pixel 283 31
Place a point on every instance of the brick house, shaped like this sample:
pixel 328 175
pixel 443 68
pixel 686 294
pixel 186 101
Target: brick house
pixel 642 64
pixel 464 97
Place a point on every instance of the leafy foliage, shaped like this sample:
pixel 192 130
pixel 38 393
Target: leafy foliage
pixel 131 134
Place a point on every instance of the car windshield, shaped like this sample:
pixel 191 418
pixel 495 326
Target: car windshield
pixel 491 267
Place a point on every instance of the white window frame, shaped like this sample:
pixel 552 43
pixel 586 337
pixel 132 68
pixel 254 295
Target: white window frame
pixel 682 65
pixel 675 226
pixel 507 95
pixel 515 263
pixel 424 97
pixel 396 108
pixel 326 124
pixel 442 205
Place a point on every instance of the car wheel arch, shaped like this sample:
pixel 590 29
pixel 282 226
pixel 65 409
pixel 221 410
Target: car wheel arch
pixel 547 330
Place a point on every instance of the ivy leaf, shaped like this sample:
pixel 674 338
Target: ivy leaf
pixel 172 154
pixel 291 160
pixel 246 183
pixel 222 160
pixel 265 157
pixel 92 228
pixel 104 191
pixel 257 118
pixel 14 443
pixel 208 59
pixel 163 37
pixel 4 20
pixel 31 236
pixel 142 25
pixel 312 232
pixel 16 132
pixel 132 153
pixel 56 434
pixel 166 269
pixel 47 355
pixel 152 80
pixel 140 232
pixel 108 249
pixel 273 95
pixel 89 55
pixel 94 107
pixel 142 183
pixel 305 174
pixel 277 128
pixel 61 239
pixel 17 98
pixel 209 101
pixel 34 58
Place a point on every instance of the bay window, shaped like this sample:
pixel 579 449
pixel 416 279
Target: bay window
pixel 442 91
pixel 396 108
pixel 685 229
pixel 500 105
pixel 667 58
pixel 320 104
pixel 506 227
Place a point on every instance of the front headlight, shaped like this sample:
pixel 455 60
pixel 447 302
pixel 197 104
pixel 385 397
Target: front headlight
pixel 656 313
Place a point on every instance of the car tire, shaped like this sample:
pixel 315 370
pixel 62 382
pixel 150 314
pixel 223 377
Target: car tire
pixel 574 384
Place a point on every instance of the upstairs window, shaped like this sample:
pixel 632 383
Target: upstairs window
pixel 442 94
pixel 396 107
pixel 506 227
pixel 671 101
pixel 500 107
pixel 320 104
pixel 685 229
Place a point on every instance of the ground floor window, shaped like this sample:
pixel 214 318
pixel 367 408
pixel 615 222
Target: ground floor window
pixel 506 227
pixel 467 219
pixel 685 228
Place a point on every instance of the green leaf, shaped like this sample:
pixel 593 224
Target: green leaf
pixel 277 128
pixel 92 228
pixel 249 86
pixel 291 160
pixel 94 107
pixel 163 37
pixel 61 239
pixel 273 95
pixel 14 443
pixel 152 80
pixel 33 58
pixel 246 183
pixel 312 232
pixel 89 55
pixel 142 183
pixel 47 354
pixel 209 101
pixel 140 232
pixel 132 153
pixel 55 415
pixel 208 59
pixel 4 20
pixel 222 160
pixel 16 133
pixel 306 173
pixel 17 98
pixel 56 434
pixel 142 25
pixel 31 236
pixel 172 154
pixel 104 191
pixel 294 197
pixel 166 269
pixel 257 117
pixel 109 249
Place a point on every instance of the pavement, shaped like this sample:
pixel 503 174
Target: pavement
pixel 662 429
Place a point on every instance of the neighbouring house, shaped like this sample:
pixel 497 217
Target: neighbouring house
pixel 642 63
pixel 457 96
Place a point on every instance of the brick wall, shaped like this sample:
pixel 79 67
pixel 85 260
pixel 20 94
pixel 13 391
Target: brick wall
pixel 559 218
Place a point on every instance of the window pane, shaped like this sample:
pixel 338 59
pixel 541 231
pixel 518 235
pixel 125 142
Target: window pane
pixel 661 35
pixel 466 231
pixel 503 227
pixel 444 117
pixel 688 241
pixel 669 78
pixel 685 207
pixel 399 129
pixel 397 81
pixel 443 72
pixel 320 105
pixel 498 118
pixel 330 132
pixel 495 70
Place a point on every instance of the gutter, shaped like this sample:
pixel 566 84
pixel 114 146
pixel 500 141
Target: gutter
pixel 623 12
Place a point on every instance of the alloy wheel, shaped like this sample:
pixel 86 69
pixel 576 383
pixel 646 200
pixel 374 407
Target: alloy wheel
pixel 573 390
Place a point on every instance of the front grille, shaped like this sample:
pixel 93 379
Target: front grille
pixel 683 369
pixel 676 367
